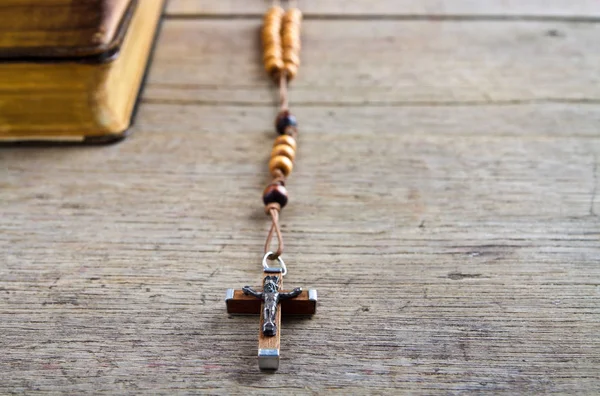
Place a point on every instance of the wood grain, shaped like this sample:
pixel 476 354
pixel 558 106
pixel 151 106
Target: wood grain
pixel 60 28
pixel 481 222
pixel 382 63
pixel 394 8
pixel 454 240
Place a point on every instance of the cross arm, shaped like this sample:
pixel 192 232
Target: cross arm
pixel 240 304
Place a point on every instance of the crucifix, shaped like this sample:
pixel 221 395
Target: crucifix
pixel 270 303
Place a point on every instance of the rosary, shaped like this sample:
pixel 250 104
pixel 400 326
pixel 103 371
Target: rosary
pixel 281 48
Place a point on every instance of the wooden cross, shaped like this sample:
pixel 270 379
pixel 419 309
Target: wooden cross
pixel 271 302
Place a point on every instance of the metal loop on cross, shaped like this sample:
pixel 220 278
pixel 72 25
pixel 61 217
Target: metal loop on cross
pixel 282 269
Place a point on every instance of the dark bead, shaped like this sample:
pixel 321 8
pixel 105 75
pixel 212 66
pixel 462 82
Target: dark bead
pixel 285 120
pixel 275 193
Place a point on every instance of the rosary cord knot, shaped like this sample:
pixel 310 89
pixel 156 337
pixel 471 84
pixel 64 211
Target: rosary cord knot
pixel 272 206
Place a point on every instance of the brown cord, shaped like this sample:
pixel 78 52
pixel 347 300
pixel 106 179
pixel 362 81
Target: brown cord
pixel 273 210
pixel 283 92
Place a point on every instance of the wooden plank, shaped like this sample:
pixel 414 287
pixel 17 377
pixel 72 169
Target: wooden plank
pixel 481 224
pixel 382 63
pixel 390 8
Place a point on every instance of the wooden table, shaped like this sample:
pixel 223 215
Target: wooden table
pixel 444 204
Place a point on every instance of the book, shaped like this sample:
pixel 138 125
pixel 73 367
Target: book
pixel 73 81
pixel 61 28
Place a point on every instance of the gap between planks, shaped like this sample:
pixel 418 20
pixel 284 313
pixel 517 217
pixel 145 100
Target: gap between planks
pixel 406 17
pixel 393 8
pixel 465 103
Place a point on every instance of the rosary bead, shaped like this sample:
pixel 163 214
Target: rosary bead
pixel 291 57
pixel 285 150
pixel 275 193
pixel 287 140
pixel 290 40
pixel 290 70
pixel 270 36
pixel 274 12
pixel 273 65
pixel 281 163
pixel 293 15
pixel 271 52
pixel 289 29
pixel 285 119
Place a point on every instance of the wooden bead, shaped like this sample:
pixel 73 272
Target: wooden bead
pixel 285 119
pixel 270 24
pixel 273 65
pixel 291 57
pixel 285 150
pixel 291 43
pixel 293 15
pixel 275 11
pixel 270 31
pixel 271 18
pixel 271 52
pixel 289 29
pixel 287 140
pixel 290 32
pixel 270 42
pixel 281 163
pixel 290 70
pixel 290 22
pixel 275 193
